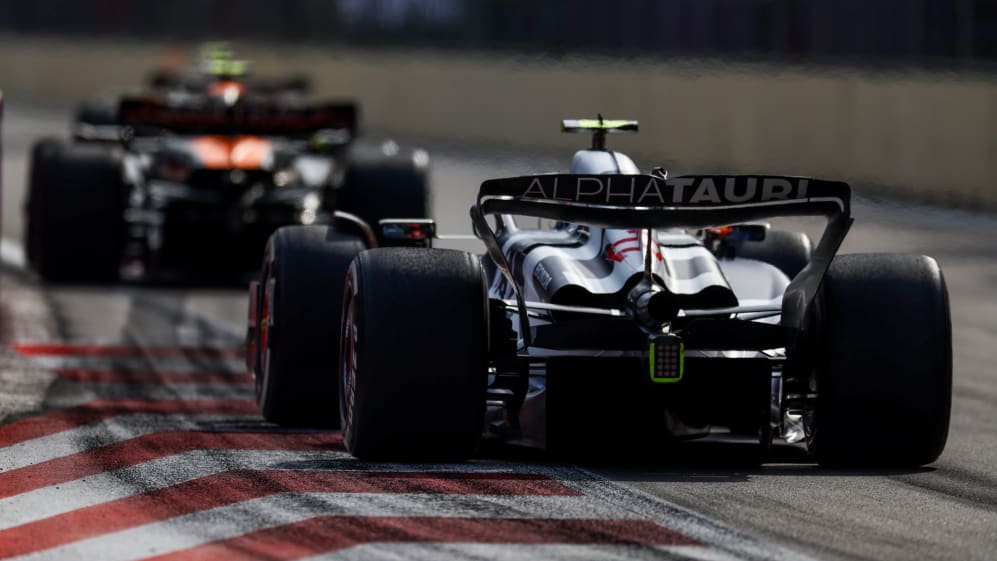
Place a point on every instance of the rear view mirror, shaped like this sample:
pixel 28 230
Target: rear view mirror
pixel 407 232
pixel 723 241
pixel 748 232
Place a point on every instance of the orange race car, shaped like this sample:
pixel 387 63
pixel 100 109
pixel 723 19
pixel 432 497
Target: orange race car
pixel 182 180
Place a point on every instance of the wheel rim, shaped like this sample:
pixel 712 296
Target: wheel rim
pixel 266 329
pixel 348 366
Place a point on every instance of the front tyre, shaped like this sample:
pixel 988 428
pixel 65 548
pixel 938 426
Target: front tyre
pixel 413 367
pixel 884 370
pixel 301 294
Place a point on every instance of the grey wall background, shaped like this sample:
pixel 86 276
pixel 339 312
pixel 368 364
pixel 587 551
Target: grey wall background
pixel 859 32
pixel 895 96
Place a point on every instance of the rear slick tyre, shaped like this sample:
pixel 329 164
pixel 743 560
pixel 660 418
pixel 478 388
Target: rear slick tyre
pixel 385 181
pixel 884 375
pixel 414 355
pixel 75 228
pixel 301 289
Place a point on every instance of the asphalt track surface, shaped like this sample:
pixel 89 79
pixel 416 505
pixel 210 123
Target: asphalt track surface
pixel 128 432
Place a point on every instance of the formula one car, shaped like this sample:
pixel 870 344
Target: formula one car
pixel 649 309
pixel 198 182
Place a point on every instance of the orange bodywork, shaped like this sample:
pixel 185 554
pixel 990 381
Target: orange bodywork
pixel 226 88
pixel 231 152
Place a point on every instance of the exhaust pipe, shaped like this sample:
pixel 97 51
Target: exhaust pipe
pixel 650 306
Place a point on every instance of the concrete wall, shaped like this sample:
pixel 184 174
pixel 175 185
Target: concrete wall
pixel 930 136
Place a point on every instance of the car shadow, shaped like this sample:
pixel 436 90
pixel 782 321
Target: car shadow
pixel 693 461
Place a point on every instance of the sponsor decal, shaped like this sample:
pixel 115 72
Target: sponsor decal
pixel 646 190
pixel 618 250
pixel 542 276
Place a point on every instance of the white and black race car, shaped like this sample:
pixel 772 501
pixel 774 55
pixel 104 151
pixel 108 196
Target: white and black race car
pixel 626 309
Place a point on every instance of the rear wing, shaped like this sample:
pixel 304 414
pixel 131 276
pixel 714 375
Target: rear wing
pixel 650 201
pixel 264 117
pixel 692 201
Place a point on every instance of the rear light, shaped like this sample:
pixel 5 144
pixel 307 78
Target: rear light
pixel 407 232
pixel 666 356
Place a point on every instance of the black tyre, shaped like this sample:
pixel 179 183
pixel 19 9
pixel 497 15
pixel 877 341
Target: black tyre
pixel 884 372
pixel 43 152
pixel 414 354
pixel 385 181
pixel 75 230
pixel 301 288
pixel 787 251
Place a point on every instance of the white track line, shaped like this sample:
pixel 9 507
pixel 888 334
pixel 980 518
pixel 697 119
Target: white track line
pixel 520 552
pixel 180 392
pixel 230 521
pixel 173 470
pixel 12 253
pixel 107 431
pixel 180 363
pixel 602 499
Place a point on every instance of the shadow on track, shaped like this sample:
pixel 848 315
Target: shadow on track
pixel 693 461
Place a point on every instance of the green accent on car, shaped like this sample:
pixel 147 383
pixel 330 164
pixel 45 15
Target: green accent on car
pixel 599 125
pixel 216 50
pixel 652 355
pixel 225 67
pixel 605 124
